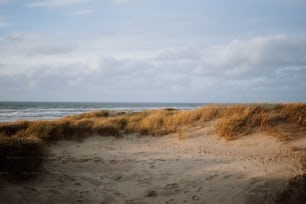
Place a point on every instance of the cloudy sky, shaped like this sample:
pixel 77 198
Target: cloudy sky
pixel 153 50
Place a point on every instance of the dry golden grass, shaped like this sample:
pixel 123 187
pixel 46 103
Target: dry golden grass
pixel 231 121
pixel 295 191
pixel 21 157
pixel 112 126
pixel 93 114
pixel 9 129
pixel 281 120
pixel 284 121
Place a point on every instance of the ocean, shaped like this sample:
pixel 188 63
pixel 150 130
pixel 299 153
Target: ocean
pixel 12 111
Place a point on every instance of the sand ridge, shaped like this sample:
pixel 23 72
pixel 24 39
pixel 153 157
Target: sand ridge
pixel 200 168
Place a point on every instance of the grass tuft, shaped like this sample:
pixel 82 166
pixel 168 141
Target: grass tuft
pixel 9 129
pixel 21 157
pixel 295 191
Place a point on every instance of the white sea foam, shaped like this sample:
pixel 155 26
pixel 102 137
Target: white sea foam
pixel 12 111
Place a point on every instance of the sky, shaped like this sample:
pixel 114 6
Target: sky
pixel 153 50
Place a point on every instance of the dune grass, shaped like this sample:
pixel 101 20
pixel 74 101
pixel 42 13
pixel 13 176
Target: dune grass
pixel 295 191
pixel 284 121
pixel 230 122
pixel 21 157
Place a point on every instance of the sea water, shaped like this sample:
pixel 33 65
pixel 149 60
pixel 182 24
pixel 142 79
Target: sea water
pixel 12 111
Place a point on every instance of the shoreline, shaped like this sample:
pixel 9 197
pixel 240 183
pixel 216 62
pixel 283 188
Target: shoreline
pixel 13 111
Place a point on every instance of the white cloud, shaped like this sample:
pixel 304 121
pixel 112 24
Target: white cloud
pixel 259 56
pixel 60 3
pixel 50 3
pixel 81 12
pixel 121 1
pixel 179 54
pixel 261 66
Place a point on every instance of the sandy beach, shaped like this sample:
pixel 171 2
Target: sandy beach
pixel 199 168
pixel 152 102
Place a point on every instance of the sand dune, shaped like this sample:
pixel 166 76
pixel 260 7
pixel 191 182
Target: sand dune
pixel 200 168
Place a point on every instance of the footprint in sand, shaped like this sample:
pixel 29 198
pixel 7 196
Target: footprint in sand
pixel 65 177
pixel 196 188
pixel 227 176
pixel 29 188
pixel 171 189
pixel 84 160
pixel 117 178
pixel 209 178
pixel 171 201
pixel 171 186
pixel 195 197
pixel 144 181
pixel 51 190
pixel 107 199
pixel 151 194
pixel 131 201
